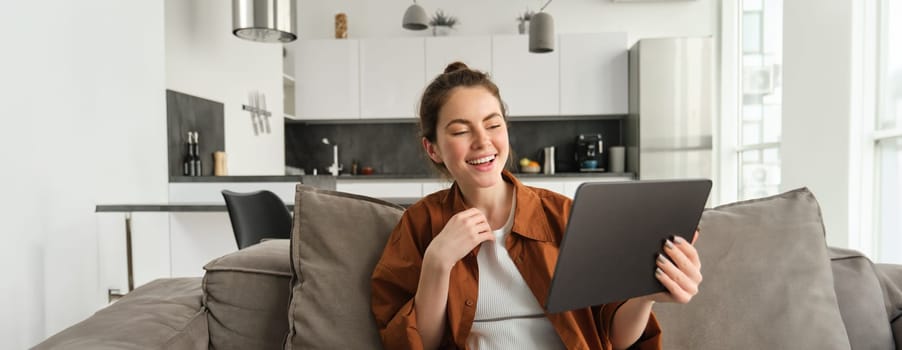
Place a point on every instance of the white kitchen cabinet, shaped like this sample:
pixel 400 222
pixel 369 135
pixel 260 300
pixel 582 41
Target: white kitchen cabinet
pixel 196 239
pixel 570 185
pixel 327 79
pixel 593 72
pixel 529 82
pixel 474 51
pixel 432 186
pixel 392 188
pixel 151 258
pixel 383 78
pixel 211 192
pixel 392 77
pixel 548 184
pixel 567 186
pixel 288 96
pixel 381 188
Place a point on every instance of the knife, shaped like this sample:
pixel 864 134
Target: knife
pixel 266 113
pixel 253 101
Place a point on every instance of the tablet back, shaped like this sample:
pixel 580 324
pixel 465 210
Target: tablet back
pixel 615 231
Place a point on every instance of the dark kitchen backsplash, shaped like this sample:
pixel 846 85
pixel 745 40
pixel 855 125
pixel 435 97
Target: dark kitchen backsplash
pixel 395 148
pixel 186 113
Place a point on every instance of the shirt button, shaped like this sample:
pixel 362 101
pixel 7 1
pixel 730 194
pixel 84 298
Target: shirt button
pixel 469 302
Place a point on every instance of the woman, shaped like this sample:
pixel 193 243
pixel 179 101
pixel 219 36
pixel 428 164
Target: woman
pixel 470 267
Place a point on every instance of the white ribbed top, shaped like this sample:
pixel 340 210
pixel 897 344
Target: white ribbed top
pixel 508 316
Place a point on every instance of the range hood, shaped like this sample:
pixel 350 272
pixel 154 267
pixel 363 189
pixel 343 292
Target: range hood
pixel 270 21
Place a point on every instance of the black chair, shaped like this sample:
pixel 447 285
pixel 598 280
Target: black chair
pixel 257 215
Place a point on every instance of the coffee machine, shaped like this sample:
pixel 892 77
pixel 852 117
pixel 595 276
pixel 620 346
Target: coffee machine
pixel 590 155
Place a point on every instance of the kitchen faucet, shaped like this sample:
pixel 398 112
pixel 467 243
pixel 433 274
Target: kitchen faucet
pixel 335 168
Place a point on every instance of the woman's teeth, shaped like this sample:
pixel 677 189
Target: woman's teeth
pixel 481 160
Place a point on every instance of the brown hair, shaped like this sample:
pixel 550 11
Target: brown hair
pixel 456 74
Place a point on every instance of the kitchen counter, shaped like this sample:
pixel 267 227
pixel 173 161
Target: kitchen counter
pixel 408 187
pixel 206 207
pixel 317 179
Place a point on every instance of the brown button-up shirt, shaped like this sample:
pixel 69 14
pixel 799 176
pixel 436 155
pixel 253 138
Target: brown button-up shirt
pixel 539 223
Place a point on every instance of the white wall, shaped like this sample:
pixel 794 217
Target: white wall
pixel 640 20
pixel 83 123
pixel 817 80
pixel 204 59
pixel 84 116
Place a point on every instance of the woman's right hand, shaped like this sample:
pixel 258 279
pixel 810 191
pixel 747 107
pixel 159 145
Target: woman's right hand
pixel 460 235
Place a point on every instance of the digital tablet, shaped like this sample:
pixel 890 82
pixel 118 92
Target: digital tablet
pixel 615 232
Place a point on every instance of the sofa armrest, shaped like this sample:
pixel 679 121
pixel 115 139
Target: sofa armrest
pixel 860 299
pixel 163 314
pixel 897 332
pixel 890 276
pixel 246 296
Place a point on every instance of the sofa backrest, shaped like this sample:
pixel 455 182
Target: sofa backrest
pixel 336 240
pixel 767 283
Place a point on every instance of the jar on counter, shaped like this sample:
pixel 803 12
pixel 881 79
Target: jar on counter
pixel 219 164
pixel 341 25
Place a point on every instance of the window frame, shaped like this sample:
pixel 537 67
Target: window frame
pixel 727 139
pixel 869 65
pixel 732 145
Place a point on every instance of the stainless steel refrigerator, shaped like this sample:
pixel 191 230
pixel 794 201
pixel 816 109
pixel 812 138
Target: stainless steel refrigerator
pixel 668 133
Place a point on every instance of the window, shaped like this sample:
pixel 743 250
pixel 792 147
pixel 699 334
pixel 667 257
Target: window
pixel 886 134
pixel 759 124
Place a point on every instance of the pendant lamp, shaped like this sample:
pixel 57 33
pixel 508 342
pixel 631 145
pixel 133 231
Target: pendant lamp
pixel 541 32
pixel 415 18
pixel 270 21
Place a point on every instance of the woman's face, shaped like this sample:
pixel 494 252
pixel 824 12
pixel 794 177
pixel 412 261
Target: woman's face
pixel 471 137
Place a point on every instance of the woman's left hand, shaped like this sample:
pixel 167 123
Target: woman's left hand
pixel 680 274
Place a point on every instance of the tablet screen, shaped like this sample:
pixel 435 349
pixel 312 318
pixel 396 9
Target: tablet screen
pixel 615 232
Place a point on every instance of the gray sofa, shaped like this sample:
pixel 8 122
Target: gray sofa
pixel 770 283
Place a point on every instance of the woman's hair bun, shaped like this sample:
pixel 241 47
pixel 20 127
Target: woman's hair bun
pixel 455 66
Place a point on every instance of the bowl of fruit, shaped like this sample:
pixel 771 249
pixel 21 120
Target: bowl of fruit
pixel 529 166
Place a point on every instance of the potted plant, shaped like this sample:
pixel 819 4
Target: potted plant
pixel 442 23
pixel 524 18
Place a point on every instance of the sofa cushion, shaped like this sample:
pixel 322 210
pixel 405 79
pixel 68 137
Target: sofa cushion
pixel 897 332
pixel 767 281
pixel 167 312
pixel 335 243
pixel 860 300
pixel 246 295
pixel 890 276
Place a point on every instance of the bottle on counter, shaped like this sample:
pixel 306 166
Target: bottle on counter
pixel 198 163
pixel 188 164
pixel 548 162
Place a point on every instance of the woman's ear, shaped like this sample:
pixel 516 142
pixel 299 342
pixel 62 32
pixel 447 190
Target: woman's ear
pixel 432 150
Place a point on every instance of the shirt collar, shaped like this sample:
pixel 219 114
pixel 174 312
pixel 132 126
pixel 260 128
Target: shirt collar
pixel 530 218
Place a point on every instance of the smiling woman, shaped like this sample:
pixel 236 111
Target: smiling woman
pixel 471 140
pixel 438 94
pixel 489 222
